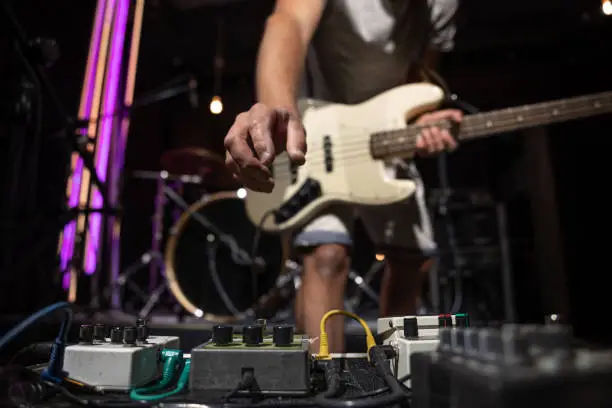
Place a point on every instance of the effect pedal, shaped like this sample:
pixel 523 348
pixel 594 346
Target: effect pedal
pixel 125 358
pixel 415 334
pixel 279 363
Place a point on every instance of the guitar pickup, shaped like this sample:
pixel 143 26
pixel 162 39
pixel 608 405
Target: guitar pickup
pixel 307 193
pixel 327 151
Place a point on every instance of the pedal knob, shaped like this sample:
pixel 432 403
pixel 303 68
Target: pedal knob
pixel 142 333
pixel 99 332
pixel 282 335
pixel 86 334
pixel 252 335
pixel 141 322
pixel 445 321
pixel 116 335
pixel 411 328
pixel 222 335
pixel 129 335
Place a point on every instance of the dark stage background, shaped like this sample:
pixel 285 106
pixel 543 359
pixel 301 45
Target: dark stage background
pixel 553 181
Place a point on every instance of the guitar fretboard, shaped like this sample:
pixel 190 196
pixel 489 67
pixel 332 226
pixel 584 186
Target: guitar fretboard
pixel 401 142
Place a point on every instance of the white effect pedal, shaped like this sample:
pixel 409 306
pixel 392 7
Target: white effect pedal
pixel 414 334
pixel 120 362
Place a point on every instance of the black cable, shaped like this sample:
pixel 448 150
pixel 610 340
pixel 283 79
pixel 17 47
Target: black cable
pixel 255 252
pixel 212 249
pixel 246 383
pixel 70 397
pixel 404 378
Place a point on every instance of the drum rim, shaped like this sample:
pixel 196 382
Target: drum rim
pixel 170 258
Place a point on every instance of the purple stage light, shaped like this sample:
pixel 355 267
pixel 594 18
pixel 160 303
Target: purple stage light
pixel 67 247
pixel 108 124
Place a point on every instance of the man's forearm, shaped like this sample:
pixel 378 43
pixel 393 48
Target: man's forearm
pixel 280 63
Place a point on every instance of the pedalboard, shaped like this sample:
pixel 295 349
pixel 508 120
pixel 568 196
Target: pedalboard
pixel 515 366
pixel 122 359
pixel 278 364
pixel 415 334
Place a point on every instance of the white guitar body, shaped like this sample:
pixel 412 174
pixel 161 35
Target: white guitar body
pixel 339 167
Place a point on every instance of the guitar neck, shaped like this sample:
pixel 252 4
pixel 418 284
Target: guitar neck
pixel 401 142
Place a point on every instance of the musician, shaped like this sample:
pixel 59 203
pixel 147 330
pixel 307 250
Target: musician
pixel 353 50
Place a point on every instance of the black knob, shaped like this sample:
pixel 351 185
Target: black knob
pixel 141 322
pixel 86 333
pixel 116 335
pixel 411 328
pixel 445 321
pixel 129 335
pixel 222 335
pixel 142 333
pixel 252 335
pixel 282 335
pixel 99 332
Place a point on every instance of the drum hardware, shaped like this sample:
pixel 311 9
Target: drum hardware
pixel 229 267
pixel 153 258
pixel 363 285
pixel 195 160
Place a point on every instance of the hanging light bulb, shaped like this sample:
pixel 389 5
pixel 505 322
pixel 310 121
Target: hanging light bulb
pixel 216 106
pixel 606 7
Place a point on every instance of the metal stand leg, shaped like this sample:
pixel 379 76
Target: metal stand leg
pixel 152 258
pixel 506 265
pixel 153 299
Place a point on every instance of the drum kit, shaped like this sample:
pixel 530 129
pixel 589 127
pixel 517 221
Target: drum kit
pixel 205 259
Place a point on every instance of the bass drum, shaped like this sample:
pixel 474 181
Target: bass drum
pixel 188 266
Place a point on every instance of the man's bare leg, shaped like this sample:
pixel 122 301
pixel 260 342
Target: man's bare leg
pixel 323 281
pixel 402 284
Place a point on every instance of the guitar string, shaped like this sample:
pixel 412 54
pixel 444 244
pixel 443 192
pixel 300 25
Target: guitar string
pixel 358 149
pixel 474 128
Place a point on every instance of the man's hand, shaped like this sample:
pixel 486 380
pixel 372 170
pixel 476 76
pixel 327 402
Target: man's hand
pixel 433 139
pixel 256 138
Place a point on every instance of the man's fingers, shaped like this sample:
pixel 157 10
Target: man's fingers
pixel 261 122
pixel 438 137
pixel 296 141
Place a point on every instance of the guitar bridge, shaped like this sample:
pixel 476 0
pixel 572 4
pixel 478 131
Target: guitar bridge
pixel 307 193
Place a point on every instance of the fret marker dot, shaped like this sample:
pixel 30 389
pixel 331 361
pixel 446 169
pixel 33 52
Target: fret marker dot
pixel 555 112
pixel 520 118
pixel 489 123
pixel 597 104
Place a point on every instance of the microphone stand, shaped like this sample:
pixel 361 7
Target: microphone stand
pixel 33 60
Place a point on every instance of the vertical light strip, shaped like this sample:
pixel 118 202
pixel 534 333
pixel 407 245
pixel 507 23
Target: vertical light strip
pixel 121 141
pixel 74 181
pixel 109 109
pixel 85 187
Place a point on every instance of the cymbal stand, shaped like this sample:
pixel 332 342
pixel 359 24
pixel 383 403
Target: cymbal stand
pixel 363 285
pixel 153 258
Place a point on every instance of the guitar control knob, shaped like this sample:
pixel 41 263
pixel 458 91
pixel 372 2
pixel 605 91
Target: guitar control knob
pixel 99 332
pixel 252 335
pixel 411 328
pixel 86 334
pixel 116 335
pixel 282 335
pixel 222 335
pixel 129 335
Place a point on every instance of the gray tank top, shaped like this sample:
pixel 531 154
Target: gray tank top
pixel 349 62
